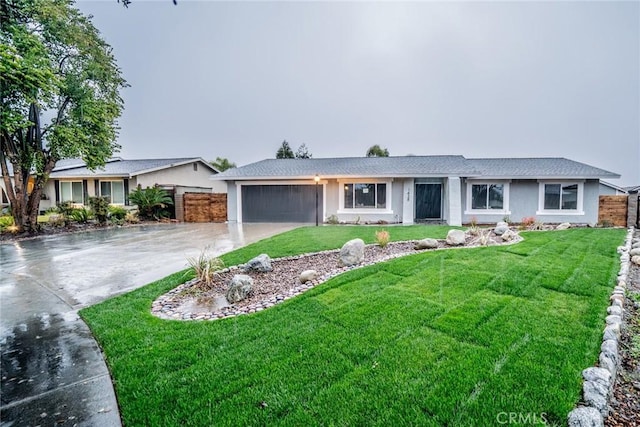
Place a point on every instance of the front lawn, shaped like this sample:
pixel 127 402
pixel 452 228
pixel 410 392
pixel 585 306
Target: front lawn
pixel 454 337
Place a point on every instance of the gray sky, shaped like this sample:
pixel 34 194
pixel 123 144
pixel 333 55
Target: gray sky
pixel 500 79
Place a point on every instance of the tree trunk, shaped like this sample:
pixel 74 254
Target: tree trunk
pixel 33 199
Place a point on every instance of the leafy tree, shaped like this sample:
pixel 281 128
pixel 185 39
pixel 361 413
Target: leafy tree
pixel 284 152
pixel 303 152
pixel 151 201
pixel 222 164
pixel 53 63
pixel 377 151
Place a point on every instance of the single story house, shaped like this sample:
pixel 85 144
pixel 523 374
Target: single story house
pixel 609 189
pixel 449 189
pixel 72 181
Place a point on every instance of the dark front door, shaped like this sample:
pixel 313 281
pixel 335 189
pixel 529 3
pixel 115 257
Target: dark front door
pixel 428 201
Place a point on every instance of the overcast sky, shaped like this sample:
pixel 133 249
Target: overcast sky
pixel 501 79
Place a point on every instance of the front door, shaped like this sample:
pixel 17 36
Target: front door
pixel 428 201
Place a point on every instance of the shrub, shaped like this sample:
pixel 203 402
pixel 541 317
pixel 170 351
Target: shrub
pixel 132 217
pixel 204 266
pixel 100 207
pixel 474 222
pixel 57 220
pixel 117 213
pixel 66 210
pixel 527 222
pixel 82 215
pixel 6 223
pixel 151 202
pixel 473 230
pixel 382 237
pixel 333 219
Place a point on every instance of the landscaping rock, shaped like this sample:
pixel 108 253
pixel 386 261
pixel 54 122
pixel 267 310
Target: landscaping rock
pixel 239 288
pixel 563 226
pixel 509 235
pixel 636 260
pixel 611 332
pixel 501 228
pixel 261 263
pixel 615 310
pixel 612 319
pixel 634 252
pixel 595 390
pixel 455 237
pixel 352 253
pixel 426 244
pixel 610 348
pixel 585 417
pixel 308 275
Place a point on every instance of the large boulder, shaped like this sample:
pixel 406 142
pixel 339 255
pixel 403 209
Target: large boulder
pixel 352 253
pixel 261 263
pixel 239 288
pixel 563 226
pixel 501 228
pixel 426 244
pixel 455 237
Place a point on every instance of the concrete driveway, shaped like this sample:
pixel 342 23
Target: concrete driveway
pixel 52 371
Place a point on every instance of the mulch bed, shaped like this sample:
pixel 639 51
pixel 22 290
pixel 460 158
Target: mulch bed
pixel 625 403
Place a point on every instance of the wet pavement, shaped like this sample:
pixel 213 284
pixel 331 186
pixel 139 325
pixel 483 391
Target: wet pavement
pixel 53 373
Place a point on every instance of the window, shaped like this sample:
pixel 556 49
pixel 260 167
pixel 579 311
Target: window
pixel 365 196
pixel 72 191
pixel 487 197
pixel 561 196
pixel 195 167
pixel 113 191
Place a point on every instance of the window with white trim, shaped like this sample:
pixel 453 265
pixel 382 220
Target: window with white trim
pixel 72 191
pixel 113 191
pixel 561 196
pixel 487 197
pixel 365 196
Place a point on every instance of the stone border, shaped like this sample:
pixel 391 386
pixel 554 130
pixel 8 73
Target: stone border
pixel 599 381
pixel 164 306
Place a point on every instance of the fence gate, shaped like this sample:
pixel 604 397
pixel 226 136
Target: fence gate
pixel 613 210
pixel 205 207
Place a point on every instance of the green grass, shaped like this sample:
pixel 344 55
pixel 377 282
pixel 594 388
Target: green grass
pixel 440 338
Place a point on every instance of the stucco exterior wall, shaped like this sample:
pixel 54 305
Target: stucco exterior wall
pixel 524 201
pixel 232 201
pixel 183 175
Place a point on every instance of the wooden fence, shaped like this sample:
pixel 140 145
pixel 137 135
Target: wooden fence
pixel 205 207
pixel 613 210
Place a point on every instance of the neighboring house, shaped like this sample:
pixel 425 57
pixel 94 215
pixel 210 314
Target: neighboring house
pixel 450 189
pixel 72 181
pixel 609 189
pixel 632 190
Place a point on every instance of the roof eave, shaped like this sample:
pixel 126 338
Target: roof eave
pixel 181 163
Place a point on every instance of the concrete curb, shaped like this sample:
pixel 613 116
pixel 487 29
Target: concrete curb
pixel 599 381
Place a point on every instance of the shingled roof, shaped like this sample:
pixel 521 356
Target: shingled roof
pixel 415 166
pixel 124 168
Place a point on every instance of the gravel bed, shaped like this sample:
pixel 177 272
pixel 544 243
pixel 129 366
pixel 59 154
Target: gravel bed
pixel 193 301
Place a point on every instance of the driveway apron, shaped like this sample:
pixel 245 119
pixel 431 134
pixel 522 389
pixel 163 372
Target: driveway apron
pixel 53 372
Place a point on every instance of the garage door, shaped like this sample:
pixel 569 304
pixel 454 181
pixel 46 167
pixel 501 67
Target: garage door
pixel 280 203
